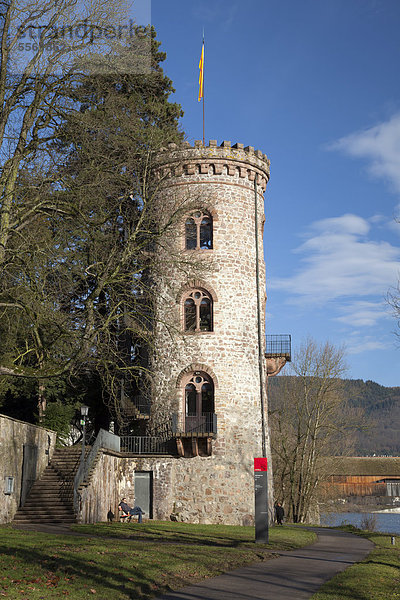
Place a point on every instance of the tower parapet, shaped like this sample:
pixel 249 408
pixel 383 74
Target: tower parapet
pixel 226 160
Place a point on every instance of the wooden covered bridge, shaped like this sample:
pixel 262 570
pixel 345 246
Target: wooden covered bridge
pixel 366 476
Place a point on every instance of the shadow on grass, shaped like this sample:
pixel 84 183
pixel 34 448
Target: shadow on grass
pixel 122 570
pixel 175 535
pixel 148 533
pixel 80 568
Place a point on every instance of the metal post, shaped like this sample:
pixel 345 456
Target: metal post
pixel 84 414
pixel 83 441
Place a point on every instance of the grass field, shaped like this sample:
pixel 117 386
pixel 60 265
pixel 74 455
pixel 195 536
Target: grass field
pixel 126 561
pixel 375 578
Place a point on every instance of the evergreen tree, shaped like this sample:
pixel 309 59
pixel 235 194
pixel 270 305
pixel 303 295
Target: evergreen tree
pixel 84 281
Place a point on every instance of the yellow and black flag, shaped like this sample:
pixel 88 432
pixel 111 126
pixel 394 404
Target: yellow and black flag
pixel 201 75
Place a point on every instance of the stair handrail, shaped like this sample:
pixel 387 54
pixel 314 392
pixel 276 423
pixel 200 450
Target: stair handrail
pixel 105 439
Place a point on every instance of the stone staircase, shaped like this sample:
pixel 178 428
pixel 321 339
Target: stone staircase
pixel 51 497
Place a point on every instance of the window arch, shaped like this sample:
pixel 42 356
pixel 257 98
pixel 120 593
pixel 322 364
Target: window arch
pixel 199 231
pixel 199 394
pixel 197 310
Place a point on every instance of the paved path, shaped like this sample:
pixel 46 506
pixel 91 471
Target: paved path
pixel 295 575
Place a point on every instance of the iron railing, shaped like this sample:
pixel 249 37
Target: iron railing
pixel 279 345
pixel 204 423
pixel 140 444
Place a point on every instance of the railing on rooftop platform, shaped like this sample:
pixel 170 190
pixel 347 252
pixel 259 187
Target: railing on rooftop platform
pixel 279 345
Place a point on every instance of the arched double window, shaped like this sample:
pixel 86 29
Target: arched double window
pixel 199 231
pixel 199 402
pixel 198 310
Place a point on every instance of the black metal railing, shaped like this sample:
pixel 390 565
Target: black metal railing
pixel 204 423
pixel 279 345
pixel 140 444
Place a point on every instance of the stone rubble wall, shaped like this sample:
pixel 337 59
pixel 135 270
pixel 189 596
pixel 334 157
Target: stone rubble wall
pixel 14 435
pixel 102 492
pixel 197 490
pixel 220 179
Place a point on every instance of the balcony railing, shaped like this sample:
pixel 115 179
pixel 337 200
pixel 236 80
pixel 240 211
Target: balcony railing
pixel 206 423
pixel 134 444
pixel 279 345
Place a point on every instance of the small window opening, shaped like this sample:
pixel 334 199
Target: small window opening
pixel 191 398
pixel 199 231
pixel 190 315
pixel 198 311
pixel 191 234
pixel 199 395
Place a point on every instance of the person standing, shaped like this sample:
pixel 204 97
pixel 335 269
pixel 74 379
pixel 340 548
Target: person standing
pixel 279 513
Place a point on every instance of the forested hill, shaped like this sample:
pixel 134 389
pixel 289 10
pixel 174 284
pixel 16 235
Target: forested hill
pixel 382 409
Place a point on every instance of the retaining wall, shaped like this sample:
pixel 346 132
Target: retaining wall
pixel 25 451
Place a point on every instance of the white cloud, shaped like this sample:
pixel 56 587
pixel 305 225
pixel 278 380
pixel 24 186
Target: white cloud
pixel 347 223
pixel 365 344
pixel 381 145
pixel 339 260
pixel 378 219
pixel 362 313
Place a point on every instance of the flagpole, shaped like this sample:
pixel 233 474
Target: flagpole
pixel 204 136
pixel 201 86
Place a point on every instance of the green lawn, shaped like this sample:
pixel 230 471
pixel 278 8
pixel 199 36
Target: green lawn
pixel 375 578
pixel 125 561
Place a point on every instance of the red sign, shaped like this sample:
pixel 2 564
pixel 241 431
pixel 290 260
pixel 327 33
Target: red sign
pixel 260 464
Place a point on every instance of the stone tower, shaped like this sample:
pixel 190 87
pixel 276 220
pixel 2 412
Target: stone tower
pixel 210 359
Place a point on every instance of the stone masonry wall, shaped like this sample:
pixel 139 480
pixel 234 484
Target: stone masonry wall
pixel 196 490
pixel 102 493
pixel 13 436
pixel 218 488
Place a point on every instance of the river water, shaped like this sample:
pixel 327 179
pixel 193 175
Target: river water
pixel 385 522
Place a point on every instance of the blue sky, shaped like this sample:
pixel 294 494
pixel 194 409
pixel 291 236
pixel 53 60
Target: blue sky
pixel 315 85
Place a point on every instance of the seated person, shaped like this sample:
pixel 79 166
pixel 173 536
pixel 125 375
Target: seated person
pixel 136 510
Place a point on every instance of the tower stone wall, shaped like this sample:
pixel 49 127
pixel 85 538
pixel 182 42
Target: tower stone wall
pixel 216 485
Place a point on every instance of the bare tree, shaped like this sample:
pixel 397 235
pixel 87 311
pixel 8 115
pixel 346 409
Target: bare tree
pixel 37 68
pixel 393 298
pixel 77 292
pixel 309 422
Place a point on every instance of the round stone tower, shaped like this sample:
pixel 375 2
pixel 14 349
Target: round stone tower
pixel 210 338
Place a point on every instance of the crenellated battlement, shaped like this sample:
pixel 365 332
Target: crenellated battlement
pixel 231 160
